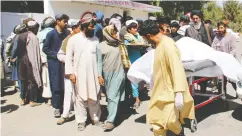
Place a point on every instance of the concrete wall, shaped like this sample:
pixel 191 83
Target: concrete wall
pixel 10 20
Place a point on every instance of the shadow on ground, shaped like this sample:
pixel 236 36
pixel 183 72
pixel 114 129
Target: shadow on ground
pixel 3 101
pixel 10 92
pixel 9 108
pixel 237 113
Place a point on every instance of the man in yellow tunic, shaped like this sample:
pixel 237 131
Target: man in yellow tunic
pixel 171 101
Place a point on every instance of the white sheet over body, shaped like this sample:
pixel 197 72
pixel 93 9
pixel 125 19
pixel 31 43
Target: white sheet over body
pixel 191 50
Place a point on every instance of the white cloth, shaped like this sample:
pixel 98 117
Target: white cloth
pixel 61 56
pixel 142 69
pixel 182 30
pixel 179 103
pixel 68 102
pixel 81 106
pixel 46 83
pixel 81 61
pixel 127 23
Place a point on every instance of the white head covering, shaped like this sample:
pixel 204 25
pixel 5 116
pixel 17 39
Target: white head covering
pixel 72 22
pixel 116 22
pixel 127 23
pixel 32 24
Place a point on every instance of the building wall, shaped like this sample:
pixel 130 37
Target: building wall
pixel 78 8
pixel 10 20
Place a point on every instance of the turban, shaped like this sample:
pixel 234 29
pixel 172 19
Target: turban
pixel 25 21
pixel 127 23
pixel 86 18
pixel 19 28
pixel 73 22
pixel 116 22
pixel 32 24
pixel 47 22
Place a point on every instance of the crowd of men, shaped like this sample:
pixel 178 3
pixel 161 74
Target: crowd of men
pixel 71 63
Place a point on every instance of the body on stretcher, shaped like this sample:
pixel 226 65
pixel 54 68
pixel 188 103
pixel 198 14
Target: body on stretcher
pixel 206 69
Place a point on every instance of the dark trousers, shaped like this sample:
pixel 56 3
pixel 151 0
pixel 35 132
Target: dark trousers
pixel 56 75
pixel 29 90
pixel 57 98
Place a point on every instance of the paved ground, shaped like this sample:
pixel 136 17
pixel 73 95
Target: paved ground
pixel 38 121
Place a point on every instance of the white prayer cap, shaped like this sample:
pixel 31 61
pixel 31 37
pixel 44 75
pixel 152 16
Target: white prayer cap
pixel 32 24
pixel 73 22
pixel 127 23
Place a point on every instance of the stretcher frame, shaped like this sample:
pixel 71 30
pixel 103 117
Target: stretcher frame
pixel 211 97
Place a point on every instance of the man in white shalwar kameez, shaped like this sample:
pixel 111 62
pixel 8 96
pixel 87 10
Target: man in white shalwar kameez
pixel 81 67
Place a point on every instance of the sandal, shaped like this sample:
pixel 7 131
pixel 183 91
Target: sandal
pixel 22 103
pixel 62 121
pixel 108 126
pixel 136 105
pixel 81 126
pixel 98 123
pixel 33 104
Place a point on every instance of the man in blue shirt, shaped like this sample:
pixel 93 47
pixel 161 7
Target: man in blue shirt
pixel 51 47
pixel 98 31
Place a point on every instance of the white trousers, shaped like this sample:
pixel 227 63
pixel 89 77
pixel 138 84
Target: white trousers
pixel 81 107
pixel 68 102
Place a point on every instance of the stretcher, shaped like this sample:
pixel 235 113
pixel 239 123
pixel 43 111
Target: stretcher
pixel 206 69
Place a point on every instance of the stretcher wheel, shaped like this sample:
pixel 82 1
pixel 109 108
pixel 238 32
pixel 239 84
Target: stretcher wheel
pixel 193 125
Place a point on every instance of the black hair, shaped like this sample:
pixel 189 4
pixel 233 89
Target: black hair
pixel 128 18
pixel 132 25
pixel 221 23
pixel 115 15
pixel 85 25
pixel 208 22
pixel 149 27
pixel 197 13
pixel 107 21
pixel 184 19
pixel 164 20
pixel 63 17
pixel 175 24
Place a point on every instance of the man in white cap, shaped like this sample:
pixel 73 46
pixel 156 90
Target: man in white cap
pixel 51 47
pixel 81 69
pixel 47 25
pixel 28 53
pixel 68 103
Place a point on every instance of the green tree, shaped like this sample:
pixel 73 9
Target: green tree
pixel 232 11
pixel 174 9
pixel 212 12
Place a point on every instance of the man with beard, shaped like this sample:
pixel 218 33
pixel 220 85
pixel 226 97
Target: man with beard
pixel 201 32
pixel 81 69
pixel 174 28
pixel 51 47
pixel 225 42
pixel 198 30
pixel 68 102
pixel 171 100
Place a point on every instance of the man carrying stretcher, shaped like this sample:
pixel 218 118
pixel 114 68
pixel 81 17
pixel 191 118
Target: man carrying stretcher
pixel 171 101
